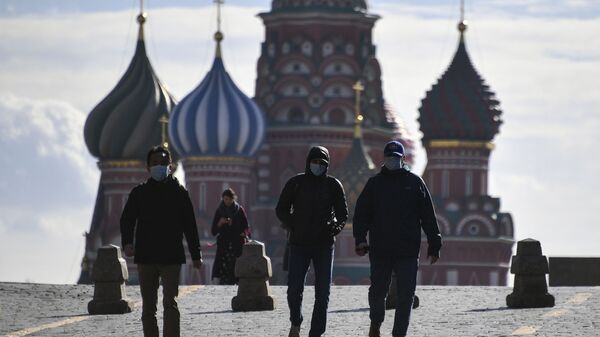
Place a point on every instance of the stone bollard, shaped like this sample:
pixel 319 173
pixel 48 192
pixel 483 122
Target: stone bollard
pixel 390 300
pixel 253 269
pixel 530 268
pixel 109 275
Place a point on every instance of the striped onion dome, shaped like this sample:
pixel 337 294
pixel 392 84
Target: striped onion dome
pixel 126 123
pixel 217 118
pixel 460 105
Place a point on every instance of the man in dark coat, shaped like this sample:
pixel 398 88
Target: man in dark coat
pixel 393 208
pixel 313 207
pixel 159 212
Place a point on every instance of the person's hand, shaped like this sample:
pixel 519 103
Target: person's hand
pixel 433 259
pixel 361 249
pixel 222 221
pixel 197 264
pixel 128 250
pixel 228 220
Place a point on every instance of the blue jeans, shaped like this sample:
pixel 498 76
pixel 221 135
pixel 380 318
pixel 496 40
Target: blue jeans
pixel 405 269
pixel 299 260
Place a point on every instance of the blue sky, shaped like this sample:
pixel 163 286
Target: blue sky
pixel 58 59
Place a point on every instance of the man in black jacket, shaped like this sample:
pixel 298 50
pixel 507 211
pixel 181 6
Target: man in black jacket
pixel 159 212
pixel 393 208
pixel 313 207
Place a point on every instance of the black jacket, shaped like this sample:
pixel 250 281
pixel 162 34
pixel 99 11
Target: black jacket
pixel 314 201
pixel 392 208
pixel 231 233
pixel 160 213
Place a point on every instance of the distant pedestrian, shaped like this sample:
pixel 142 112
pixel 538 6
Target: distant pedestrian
pixel 230 225
pixel 312 206
pixel 393 208
pixel 157 214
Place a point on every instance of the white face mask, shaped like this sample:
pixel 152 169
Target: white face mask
pixel 392 163
pixel 317 169
pixel 159 172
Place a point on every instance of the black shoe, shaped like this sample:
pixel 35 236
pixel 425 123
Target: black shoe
pixel 416 302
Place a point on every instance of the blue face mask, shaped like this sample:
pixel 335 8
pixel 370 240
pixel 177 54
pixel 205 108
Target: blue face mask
pixel 159 172
pixel 392 163
pixel 317 169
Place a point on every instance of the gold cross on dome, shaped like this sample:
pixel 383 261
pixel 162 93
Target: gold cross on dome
pixel 219 3
pixel 163 137
pixel 358 89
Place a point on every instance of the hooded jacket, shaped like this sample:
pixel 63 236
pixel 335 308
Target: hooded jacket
pixel 160 213
pixel 393 208
pixel 308 202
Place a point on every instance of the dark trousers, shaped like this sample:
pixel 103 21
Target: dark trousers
pixel 149 276
pixel 299 261
pixel 406 279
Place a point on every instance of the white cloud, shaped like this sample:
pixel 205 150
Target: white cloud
pixel 46 191
pixel 51 129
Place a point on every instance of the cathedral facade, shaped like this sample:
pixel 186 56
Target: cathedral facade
pixel 318 82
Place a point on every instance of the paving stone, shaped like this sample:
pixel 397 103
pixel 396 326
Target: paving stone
pixel 444 311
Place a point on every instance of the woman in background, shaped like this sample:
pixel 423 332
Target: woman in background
pixel 230 225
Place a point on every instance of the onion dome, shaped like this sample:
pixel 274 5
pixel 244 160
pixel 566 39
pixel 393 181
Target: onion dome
pixel 460 105
pixel 127 122
pixel 217 118
pixel 320 5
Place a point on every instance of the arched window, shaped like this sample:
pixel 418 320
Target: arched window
pixel 338 68
pixel 327 49
pixel 296 115
pixel 307 48
pixel 483 183
pixel 202 197
pixel 445 183
pixel 337 117
pixel 469 183
pixel 452 277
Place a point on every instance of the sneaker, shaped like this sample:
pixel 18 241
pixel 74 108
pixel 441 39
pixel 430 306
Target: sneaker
pixel 416 302
pixel 294 331
pixel 374 330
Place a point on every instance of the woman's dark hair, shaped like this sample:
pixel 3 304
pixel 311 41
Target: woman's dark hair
pixel 229 193
pixel 158 149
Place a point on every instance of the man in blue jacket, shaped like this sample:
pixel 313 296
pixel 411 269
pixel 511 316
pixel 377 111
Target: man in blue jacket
pixel 393 208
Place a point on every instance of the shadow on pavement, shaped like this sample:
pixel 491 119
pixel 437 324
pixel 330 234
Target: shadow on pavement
pixel 212 312
pixel 64 316
pixel 348 311
pixel 489 309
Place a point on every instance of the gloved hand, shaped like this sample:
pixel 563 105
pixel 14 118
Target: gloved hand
pixel 336 227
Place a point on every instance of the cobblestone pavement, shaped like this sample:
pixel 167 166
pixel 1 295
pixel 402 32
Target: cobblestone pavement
pixel 61 310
